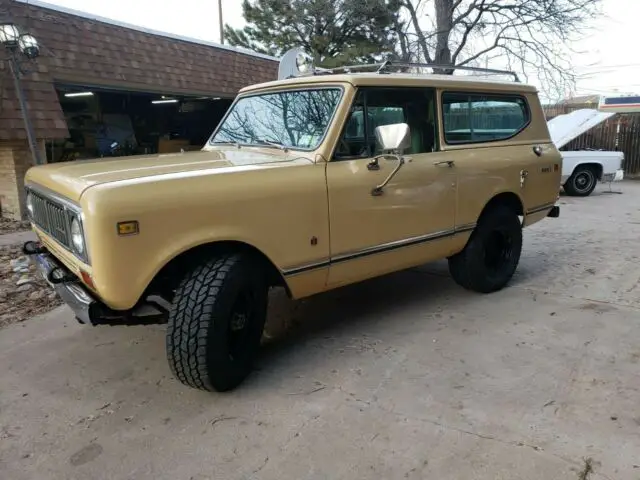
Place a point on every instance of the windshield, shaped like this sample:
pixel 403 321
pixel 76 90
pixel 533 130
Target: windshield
pixel 293 119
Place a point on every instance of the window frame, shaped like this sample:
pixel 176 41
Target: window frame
pixel 470 94
pixel 365 105
pixel 304 88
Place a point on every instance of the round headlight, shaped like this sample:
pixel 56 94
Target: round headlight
pixel 29 203
pixel 77 238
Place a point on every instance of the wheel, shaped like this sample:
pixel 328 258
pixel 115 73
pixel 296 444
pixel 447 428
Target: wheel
pixel 216 322
pixel 492 253
pixel 581 182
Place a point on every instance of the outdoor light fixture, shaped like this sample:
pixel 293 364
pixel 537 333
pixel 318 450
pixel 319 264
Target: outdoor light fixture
pixel 78 94
pixel 168 100
pixel 28 45
pixel 9 34
pixel 18 47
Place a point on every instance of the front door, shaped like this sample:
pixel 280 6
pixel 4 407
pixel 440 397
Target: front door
pixel 412 221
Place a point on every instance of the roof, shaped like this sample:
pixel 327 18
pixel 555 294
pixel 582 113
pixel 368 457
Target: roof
pixel 407 80
pixel 129 26
pixel 77 48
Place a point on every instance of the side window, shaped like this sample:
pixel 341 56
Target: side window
pixel 474 118
pixel 375 107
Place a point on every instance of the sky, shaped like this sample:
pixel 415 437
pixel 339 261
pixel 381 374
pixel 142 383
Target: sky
pixel 607 62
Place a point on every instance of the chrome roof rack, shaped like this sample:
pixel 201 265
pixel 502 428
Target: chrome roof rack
pixel 389 66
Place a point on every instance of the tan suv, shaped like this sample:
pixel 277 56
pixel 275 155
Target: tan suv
pixel 309 183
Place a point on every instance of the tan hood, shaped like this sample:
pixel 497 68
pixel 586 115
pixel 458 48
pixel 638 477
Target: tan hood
pixel 71 179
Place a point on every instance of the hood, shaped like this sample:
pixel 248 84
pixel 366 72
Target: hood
pixel 567 127
pixel 71 179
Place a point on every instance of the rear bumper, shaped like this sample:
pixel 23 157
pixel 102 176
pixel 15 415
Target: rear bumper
pixel 613 177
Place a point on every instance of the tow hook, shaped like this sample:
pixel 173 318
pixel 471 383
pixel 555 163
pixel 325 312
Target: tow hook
pixel 57 275
pixel 33 248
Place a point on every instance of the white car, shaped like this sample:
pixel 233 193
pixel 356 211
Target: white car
pixel 581 170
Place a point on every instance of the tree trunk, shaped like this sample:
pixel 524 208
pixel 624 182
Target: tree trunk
pixel 444 25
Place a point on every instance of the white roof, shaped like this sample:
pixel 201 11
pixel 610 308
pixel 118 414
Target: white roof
pixel 110 21
pixel 567 127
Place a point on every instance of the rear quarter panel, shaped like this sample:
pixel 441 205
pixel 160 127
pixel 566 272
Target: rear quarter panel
pixel 489 169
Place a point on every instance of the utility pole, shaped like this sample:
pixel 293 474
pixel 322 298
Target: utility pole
pixel 221 22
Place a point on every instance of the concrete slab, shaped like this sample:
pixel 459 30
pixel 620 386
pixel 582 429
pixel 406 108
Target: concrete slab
pixel 406 376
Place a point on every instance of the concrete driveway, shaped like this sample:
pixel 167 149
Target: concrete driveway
pixel 407 376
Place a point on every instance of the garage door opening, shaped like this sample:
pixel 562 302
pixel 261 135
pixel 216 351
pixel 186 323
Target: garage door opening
pixel 111 123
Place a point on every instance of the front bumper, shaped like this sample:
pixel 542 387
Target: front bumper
pixel 71 291
pixel 87 308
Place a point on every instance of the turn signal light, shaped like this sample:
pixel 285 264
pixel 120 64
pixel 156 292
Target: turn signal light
pixel 128 228
pixel 86 278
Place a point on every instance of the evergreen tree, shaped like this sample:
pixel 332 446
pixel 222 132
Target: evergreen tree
pixel 333 32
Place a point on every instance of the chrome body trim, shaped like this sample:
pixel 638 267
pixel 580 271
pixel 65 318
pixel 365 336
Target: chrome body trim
pixel 540 208
pixel 382 248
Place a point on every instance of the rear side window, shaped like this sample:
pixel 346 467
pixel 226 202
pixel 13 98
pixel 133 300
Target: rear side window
pixel 475 118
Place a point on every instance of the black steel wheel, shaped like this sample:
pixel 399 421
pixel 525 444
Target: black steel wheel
pixel 492 253
pixel 216 322
pixel 581 183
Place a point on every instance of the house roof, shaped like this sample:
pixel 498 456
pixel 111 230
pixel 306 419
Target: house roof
pixel 78 48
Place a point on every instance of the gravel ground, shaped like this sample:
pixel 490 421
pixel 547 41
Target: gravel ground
pixel 12 226
pixel 407 376
pixel 23 294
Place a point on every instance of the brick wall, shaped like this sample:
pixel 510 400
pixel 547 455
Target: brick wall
pixel 15 160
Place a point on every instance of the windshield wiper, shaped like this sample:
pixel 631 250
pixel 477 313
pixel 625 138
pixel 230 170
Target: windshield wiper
pixel 272 144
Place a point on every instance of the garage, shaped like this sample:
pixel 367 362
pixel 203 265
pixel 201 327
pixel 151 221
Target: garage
pixel 106 122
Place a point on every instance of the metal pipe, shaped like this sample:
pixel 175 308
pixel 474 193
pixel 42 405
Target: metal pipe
pixel 221 23
pixel 31 138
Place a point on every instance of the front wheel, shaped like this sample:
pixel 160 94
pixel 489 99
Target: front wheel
pixel 216 322
pixel 492 253
pixel 581 183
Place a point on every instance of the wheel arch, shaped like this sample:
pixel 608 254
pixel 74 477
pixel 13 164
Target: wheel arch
pixel 177 266
pixel 596 167
pixel 509 199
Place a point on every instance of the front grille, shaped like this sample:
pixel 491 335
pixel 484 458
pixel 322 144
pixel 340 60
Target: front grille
pixel 50 217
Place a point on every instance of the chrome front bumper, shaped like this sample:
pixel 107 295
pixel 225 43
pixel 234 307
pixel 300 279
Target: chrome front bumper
pixel 71 291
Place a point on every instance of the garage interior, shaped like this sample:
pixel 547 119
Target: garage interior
pixel 105 122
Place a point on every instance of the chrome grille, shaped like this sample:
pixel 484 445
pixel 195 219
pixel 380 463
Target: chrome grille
pixel 50 217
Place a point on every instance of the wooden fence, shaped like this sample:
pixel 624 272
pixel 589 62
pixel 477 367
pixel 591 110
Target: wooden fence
pixel 621 133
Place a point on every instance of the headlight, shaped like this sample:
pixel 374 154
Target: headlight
pixel 29 203
pixel 77 238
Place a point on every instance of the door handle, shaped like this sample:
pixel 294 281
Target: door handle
pixel 538 150
pixel 445 163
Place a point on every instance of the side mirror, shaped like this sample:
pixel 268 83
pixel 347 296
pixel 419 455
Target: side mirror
pixel 393 138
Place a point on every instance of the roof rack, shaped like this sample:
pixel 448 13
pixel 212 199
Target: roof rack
pixel 295 62
pixel 389 65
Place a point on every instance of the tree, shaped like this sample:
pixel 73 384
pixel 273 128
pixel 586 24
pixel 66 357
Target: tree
pixel 531 36
pixel 333 32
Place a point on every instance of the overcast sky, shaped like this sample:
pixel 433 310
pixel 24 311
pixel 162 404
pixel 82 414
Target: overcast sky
pixel 609 63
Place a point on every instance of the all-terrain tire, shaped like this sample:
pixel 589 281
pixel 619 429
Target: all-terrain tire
pixel 216 322
pixel 492 253
pixel 582 182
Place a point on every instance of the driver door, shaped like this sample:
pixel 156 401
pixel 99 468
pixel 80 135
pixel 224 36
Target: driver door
pixel 412 221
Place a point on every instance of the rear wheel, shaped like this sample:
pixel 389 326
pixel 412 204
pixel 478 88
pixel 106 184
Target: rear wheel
pixel 216 322
pixel 582 182
pixel 492 253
